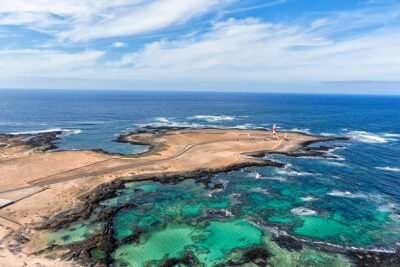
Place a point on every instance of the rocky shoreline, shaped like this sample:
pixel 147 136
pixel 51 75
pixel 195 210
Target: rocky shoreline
pixel 105 242
pixel 40 142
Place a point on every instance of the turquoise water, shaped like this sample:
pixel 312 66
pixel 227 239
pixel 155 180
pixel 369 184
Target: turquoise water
pixel 176 218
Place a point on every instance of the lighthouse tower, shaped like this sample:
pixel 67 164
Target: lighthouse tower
pixel 274 131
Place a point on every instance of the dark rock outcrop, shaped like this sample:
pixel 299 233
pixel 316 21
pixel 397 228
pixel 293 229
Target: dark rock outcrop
pixel 256 255
pixel 188 259
pixel 288 242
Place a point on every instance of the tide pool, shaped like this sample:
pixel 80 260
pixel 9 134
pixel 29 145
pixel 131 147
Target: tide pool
pixel 176 219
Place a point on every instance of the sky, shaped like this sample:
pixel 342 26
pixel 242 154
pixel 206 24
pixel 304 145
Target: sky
pixel 329 46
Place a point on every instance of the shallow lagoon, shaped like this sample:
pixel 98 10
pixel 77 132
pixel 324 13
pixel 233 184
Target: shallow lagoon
pixel 219 225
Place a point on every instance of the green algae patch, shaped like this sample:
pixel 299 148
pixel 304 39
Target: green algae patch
pixel 318 227
pixel 123 224
pixel 280 219
pixel 279 205
pixel 77 233
pixel 306 257
pixel 222 237
pixel 148 188
pixel 211 245
pixel 170 241
pixel 191 210
pixel 222 204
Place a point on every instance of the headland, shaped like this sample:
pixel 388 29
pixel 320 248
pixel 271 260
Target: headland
pixel 41 189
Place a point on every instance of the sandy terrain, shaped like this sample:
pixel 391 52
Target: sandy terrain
pixel 43 184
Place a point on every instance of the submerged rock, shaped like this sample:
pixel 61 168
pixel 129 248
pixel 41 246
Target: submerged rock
pixel 375 258
pixel 134 238
pixel 288 242
pixel 188 259
pixel 218 213
pixel 256 255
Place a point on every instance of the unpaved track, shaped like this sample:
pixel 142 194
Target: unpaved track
pixel 128 166
pixel 187 148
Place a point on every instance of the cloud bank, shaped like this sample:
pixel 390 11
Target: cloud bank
pixel 356 45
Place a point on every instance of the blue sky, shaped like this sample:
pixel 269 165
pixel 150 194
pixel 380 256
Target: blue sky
pixel 329 46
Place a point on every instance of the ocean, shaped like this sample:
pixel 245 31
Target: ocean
pixel 352 201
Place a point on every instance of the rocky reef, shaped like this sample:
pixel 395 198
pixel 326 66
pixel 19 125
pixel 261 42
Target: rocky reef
pixel 39 142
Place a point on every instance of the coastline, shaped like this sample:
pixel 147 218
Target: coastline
pixel 88 200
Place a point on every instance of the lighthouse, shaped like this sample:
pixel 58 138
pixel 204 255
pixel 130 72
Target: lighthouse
pixel 274 131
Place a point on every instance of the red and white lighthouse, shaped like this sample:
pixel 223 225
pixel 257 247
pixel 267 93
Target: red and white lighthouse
pixel 274 131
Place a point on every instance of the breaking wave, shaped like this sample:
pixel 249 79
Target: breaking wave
pixel 303 211
pixel 391 169
pixel 211 118
pixel 307 199
pixel 367 137
pixel 307 131
pixel 163 119
pixel 256 175
pixel 348 194
pixel 392 135
pixel 335 163
pixel 295 173
pixel 66 131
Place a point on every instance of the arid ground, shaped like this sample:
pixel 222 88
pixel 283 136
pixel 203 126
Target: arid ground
pixel 37 184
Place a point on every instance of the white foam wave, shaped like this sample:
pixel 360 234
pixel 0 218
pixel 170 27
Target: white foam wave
pixel 227 212
pixel 278 232
pixel 307 131
pixel 235 198
pixel 259 176
pixel 66 131
pixel 389 207
pixel 348 194
pixel 244 126
pixel 395 217
pixel 307 199
pixel 212 118
pixel 295 173
pixel 334 163
pixel 260 190
pixel 388 169
pixel 303 211
pixel 171 124
pixel 367 137
pixel 327 134
pixel 392 135
pixel 224 182
pixel 162 119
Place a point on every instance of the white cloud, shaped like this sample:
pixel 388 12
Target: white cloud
pixel 81 20
pixel 45 63
pixel 232 50
pixel 118 44
pixel 253 50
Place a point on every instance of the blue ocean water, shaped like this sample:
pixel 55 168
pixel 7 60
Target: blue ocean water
pixel 359 193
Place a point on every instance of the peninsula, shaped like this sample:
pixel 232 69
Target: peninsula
pixel 41 189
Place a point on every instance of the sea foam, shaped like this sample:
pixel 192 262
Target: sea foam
pixel 391 169
pixel 66 131
pixel 303 211
pixel 367 137
pixel 213 118
pixel 348 194
pixel 307 199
